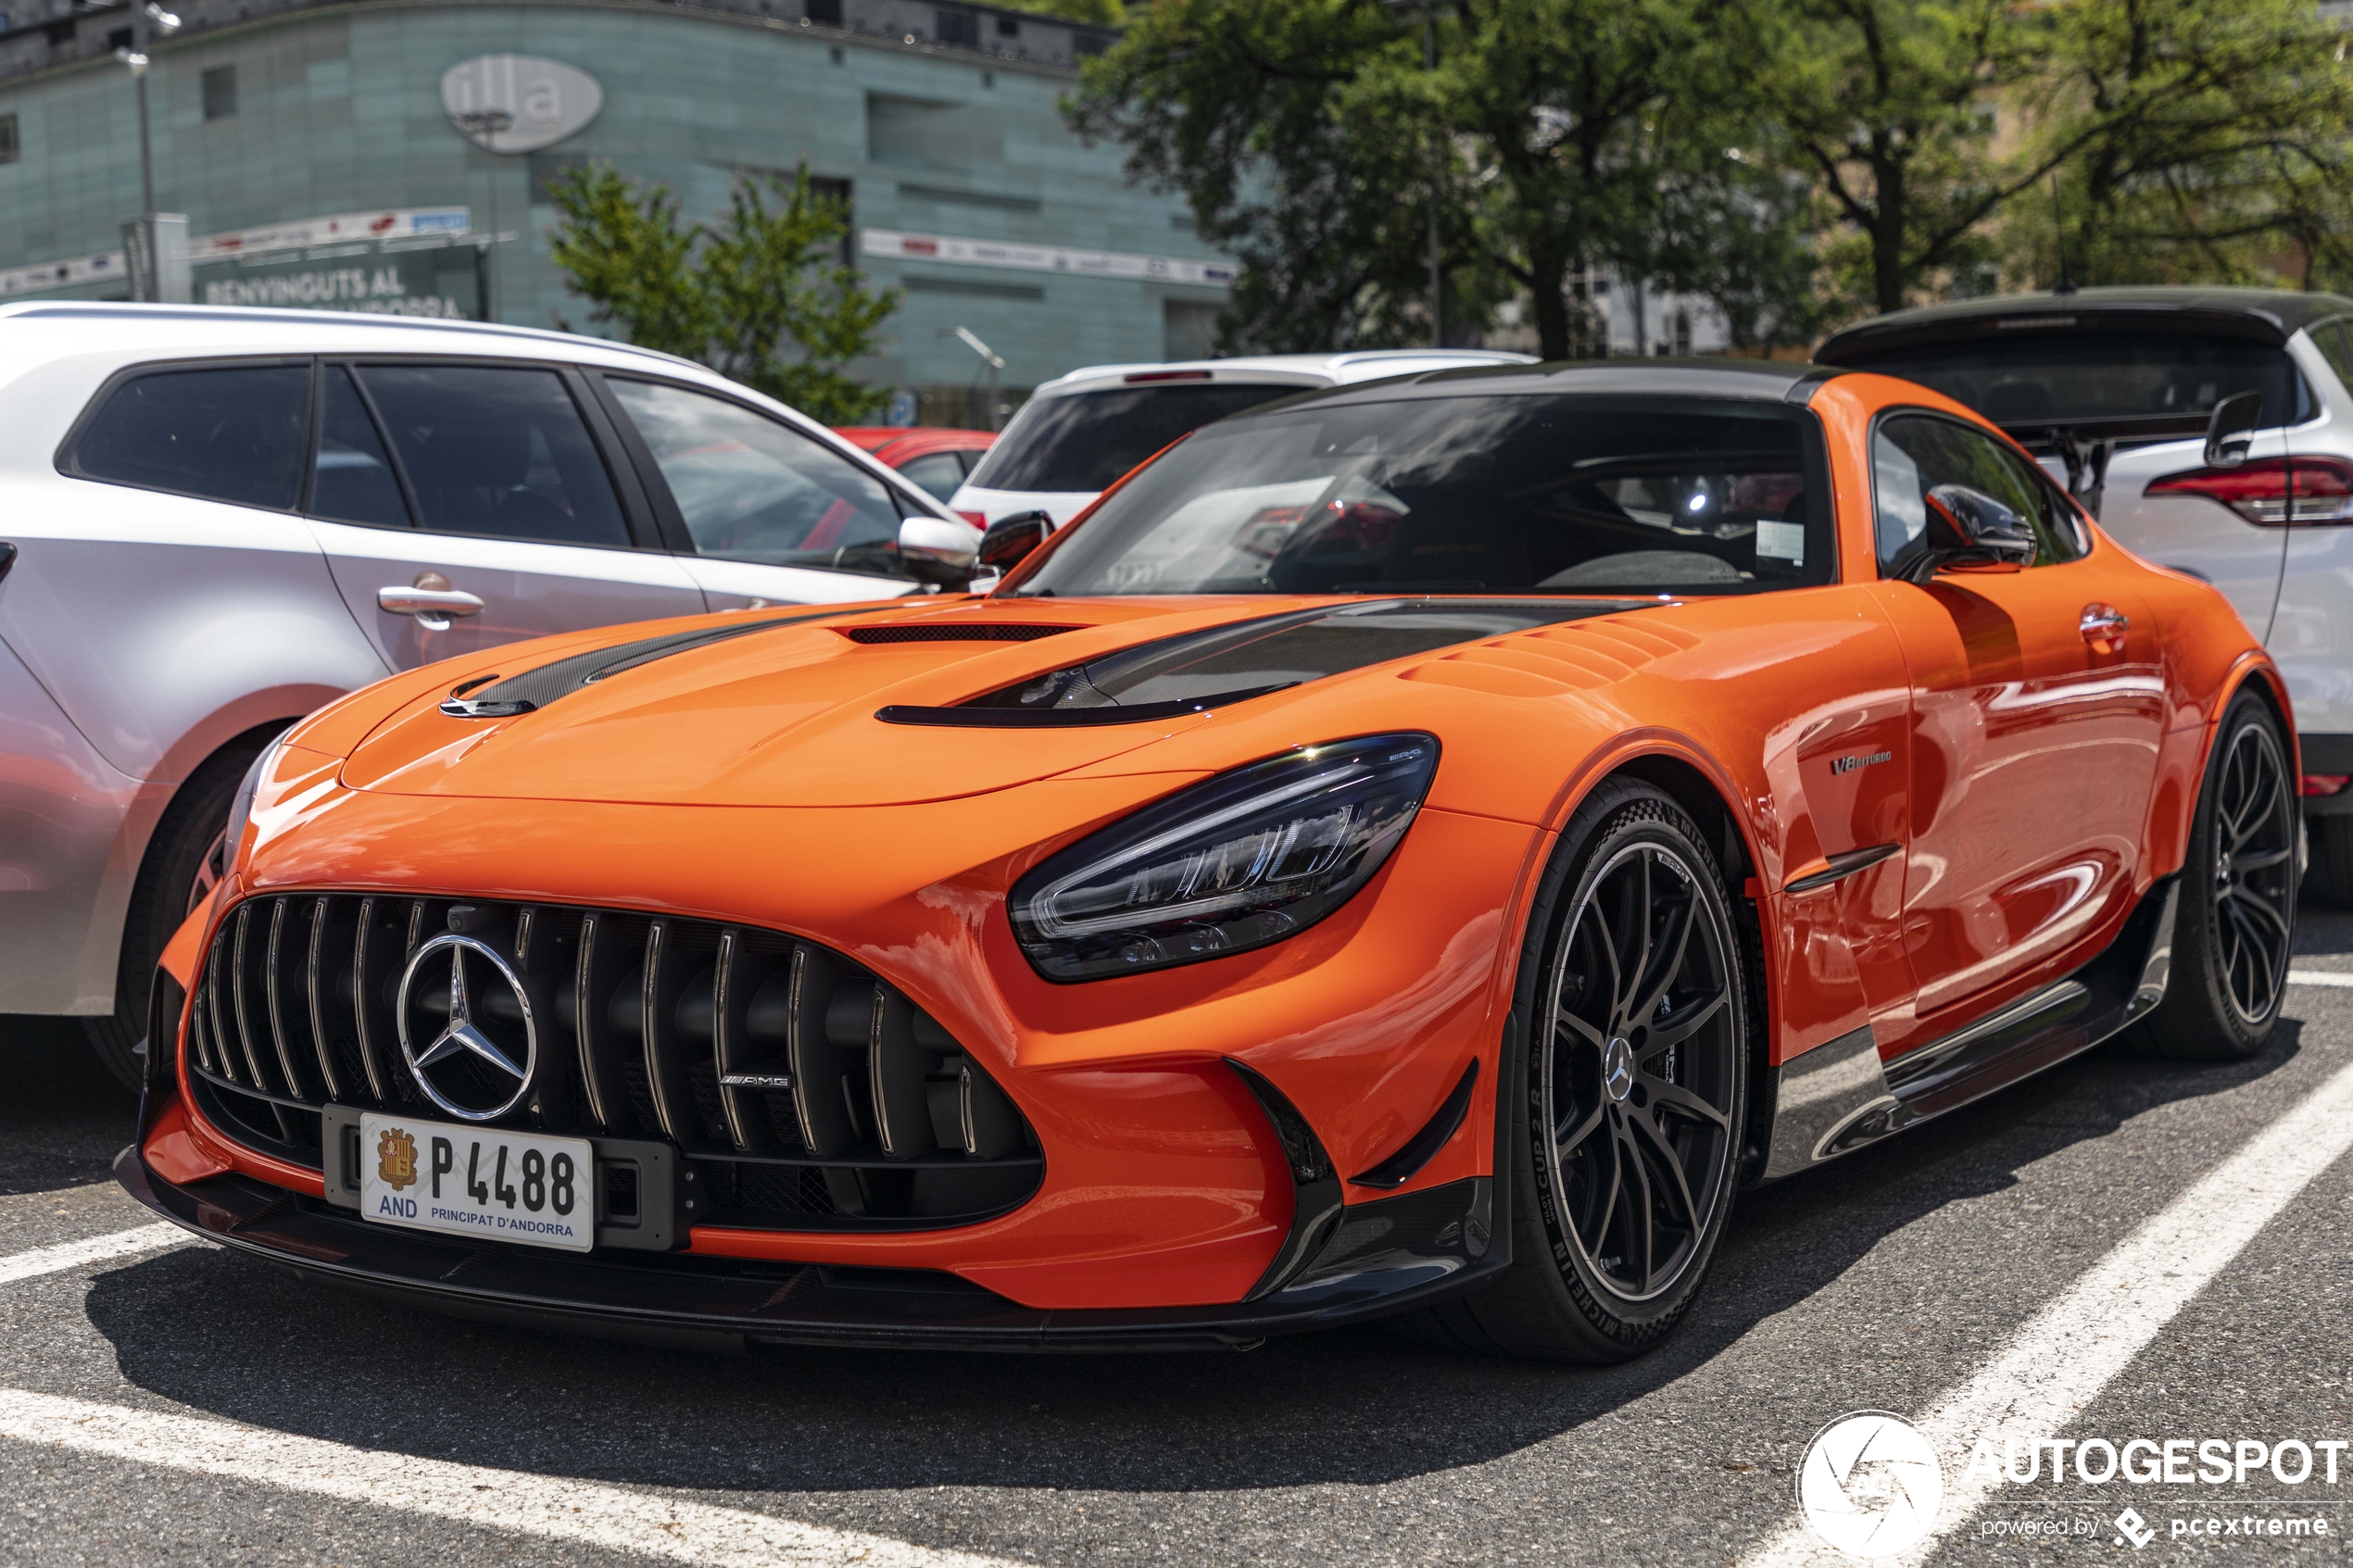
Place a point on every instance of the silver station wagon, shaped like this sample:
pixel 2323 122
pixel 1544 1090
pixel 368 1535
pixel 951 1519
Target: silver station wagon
pixel 212 521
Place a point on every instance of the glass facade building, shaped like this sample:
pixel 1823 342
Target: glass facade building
pixel 312 148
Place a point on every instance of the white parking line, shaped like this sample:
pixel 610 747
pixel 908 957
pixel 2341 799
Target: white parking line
pixel 89 1249
pixel 554 1507
pixel 2058 1364
pixel 2318 978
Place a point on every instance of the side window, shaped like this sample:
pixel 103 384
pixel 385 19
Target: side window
pixel 353 482
pixel 936 473
pixel 232 432
pixel 2337 346
pixel 499 451
pixel 751 489
pixel 1913 454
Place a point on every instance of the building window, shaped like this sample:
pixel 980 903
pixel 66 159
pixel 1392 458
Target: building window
pixel 828 12
pixel 1008 26
pixel 957 27
pixel 120 38
pixel 221 92
pixel 7 138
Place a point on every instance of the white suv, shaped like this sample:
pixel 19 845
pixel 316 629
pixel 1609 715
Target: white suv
pixel 2117 389
pixel 212 521
pixel 1079 431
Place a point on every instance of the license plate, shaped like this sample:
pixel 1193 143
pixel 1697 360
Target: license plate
pixel 478 1181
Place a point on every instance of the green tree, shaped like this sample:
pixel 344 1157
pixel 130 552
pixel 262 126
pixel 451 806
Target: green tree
pixel 1311 138
pixel 762 296
pixel 1103 13
pixel 2203 142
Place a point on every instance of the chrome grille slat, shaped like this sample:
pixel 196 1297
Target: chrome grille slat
pixel 273 996
pixel 237 968
pixel 807 1093
pixel 316 985
pixel 666 1053
pixel 601 1084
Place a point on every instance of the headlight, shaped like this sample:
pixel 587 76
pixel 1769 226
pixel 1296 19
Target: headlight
pixel 1243 860
pixel 241 803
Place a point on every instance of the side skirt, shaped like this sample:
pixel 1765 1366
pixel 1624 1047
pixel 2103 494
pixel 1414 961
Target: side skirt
pixel 1839 1097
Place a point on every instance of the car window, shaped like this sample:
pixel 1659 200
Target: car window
pixel 353 481
pixel 1913 454
pixel 1084 440
pixel 752 489
pixel 1468 494
pixel 936 473
pixel 2337 345
pixel 2063 376
pixel 499 451
pixel 230 433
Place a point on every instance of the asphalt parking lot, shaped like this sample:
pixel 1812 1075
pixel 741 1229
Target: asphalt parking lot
pixel 181 1405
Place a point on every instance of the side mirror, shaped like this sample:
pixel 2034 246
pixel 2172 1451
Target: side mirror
pixel 2231 432
pixel 1009 539
pixel 1967 527
pixel 937 550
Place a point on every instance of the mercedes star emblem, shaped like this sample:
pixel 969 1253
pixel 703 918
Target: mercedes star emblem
pixel 469 1067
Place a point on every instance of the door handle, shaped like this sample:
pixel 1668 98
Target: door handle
pixel 435 607
pixel 2103 627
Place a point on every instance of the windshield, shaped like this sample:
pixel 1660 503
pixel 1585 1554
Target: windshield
pixel 1085 440
pixel 2079 376
pixel 1570 495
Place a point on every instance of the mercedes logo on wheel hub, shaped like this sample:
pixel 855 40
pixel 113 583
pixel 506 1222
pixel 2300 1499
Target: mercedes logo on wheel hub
pixel 477 1063
pixel 1617 1068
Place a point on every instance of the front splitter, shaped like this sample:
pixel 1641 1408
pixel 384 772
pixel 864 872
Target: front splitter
pixel 1385 1257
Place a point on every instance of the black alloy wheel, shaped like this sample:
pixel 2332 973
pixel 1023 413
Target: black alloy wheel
pixel 1632 1084
pixel 1638 1081
pixel 2234 921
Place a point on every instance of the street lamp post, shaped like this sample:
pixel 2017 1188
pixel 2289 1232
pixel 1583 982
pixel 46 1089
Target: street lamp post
pixel 144 14
pixel 482 128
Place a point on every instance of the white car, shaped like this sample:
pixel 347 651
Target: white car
pixel 2120 390
pixel 212 521
pixel 1079 431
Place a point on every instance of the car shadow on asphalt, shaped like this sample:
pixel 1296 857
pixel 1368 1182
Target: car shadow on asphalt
pixel 235 1337
pixel 61 1116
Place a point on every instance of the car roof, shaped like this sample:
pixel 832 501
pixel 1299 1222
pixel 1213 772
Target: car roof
pixel 913 441
pixel 2267 314
pixel 81 326
pixel 1761 381
pixel 1298 369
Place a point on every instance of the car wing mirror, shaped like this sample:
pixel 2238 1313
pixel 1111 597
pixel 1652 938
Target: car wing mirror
pixel 2231 432
pixel 1967 527
pixel 939 551
pixel 1008 543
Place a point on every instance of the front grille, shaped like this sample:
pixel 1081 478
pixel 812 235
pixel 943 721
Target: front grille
pixel 807 1093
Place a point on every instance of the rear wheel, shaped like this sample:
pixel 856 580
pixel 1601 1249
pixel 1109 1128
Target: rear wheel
pixel 1630 1098
pixel 183 862
pixel 2235 923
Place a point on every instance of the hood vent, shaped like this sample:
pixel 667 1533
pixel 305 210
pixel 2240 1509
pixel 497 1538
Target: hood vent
pixel 1198 670
pixel 954 631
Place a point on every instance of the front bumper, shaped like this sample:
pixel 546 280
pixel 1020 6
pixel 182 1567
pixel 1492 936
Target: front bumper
pixel 1383 1256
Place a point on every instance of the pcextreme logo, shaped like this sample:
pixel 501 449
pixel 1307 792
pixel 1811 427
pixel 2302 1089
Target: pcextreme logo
pixel 1870 1484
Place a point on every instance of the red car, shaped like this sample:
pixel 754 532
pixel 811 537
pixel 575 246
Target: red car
pixel 934 460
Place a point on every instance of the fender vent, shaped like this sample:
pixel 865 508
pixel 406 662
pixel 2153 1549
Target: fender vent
pixel 809 1093
pixel 952 631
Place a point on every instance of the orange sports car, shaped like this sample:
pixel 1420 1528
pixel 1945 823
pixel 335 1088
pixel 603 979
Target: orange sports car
pixel 1413 851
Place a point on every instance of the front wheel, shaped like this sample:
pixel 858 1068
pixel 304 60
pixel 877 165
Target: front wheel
pixel 1629 1096
pixel 2235 924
